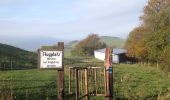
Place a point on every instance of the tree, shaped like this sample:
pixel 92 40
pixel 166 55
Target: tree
pixel 87 46
pixel 156 20
pixel 151 40
pixel 165 57
pixel 135 44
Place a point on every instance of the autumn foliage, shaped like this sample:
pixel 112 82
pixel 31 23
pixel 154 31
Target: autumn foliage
pixel 150 41
pixel 87 46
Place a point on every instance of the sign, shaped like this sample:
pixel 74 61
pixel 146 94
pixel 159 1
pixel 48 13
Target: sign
pixel 51 59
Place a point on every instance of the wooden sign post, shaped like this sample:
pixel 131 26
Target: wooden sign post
pixel 52 57
pixel 61 75
pixel 108 74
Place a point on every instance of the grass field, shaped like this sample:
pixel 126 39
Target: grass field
pixel 134 82
pixel 113 41
pixel 130 82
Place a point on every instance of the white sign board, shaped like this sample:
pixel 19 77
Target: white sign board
pixel 51 59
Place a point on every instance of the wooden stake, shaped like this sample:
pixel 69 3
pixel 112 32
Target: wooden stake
pixel 105 81
pixel 77 84
pixel 38 61
pixel 81 81
pixel 109 74
pixel 70 70
pixel 95 78
pixel 86 83
pixel 61 74
pixel 61 84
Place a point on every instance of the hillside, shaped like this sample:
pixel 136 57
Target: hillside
pixel 113 41
pixel 110 41
pixel 29 43
pixel 71 44
pixel 20 58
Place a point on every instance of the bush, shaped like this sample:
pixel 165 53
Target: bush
pixel 165 59
pixel 87 46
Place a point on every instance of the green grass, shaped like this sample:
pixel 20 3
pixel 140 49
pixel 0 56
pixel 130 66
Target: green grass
pixel 113 41
pixel 130 81
pixel 19 57
pixel 133 82
pixel 33 83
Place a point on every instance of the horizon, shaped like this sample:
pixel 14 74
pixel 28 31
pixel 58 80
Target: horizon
pixel 22 21
pixel 53 42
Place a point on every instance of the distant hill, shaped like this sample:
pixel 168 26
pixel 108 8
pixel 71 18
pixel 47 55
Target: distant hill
pixel 29 43
pixel 21 58
pixel 71 44
pixel 110 41
pixel 113 41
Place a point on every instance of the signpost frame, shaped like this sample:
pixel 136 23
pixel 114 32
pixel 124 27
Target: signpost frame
pixel 60 69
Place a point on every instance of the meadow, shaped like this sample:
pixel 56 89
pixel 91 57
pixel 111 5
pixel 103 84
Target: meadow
pixel 131 81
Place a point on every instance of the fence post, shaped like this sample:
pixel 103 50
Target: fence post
pixel 70 72
pixel 38 61
pixel 26 94
pixel 61 74
pixel 95 78
pixel 77 84
pixel 86 82
pixel 11 64
pixel 109 74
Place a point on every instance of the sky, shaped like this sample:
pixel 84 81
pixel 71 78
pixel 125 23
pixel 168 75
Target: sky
pixel 67 19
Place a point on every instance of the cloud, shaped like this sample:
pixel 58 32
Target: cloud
pixel 69 19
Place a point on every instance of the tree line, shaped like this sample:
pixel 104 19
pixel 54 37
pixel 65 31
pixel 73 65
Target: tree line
pixel 87 46
pixel 150 41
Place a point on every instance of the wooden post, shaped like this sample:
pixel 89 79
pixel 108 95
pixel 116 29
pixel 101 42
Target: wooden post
pixel 70 72
pixel 109 74
pixel 81 81
pixel 0 66
pixel 77 84
pixel 61 74
pixel 38 60
pixel 105 81
pixel 26 94
pixel 95 78
pixel 11 63
pixel 61 84
pixel 86 83
pixel 4 65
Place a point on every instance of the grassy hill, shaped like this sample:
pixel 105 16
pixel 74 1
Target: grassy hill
pixel 71 44
pixel 113 41
pixel 20 58
pixel 110 42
